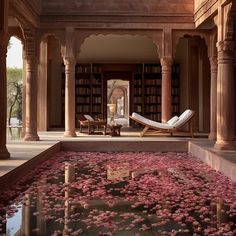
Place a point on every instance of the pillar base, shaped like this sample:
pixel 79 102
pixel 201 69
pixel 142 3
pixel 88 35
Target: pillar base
pixel 212 136
pixel 31 137
pixel 225 145
pixel 4 154
pixel 68 134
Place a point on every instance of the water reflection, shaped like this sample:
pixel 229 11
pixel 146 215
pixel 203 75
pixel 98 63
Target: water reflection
pixel 122 194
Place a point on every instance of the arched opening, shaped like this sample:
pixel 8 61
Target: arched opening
pixel 118 94
pixel 54 81
pixel 191 54
pixel 14 88
pixel 119 64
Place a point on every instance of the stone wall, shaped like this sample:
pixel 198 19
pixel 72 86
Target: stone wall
pixel 198 3
pixel 116 6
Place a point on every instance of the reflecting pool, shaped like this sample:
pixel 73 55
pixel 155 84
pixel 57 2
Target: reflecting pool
pixel 129 193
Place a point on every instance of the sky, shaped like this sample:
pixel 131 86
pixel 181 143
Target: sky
pixel 14 54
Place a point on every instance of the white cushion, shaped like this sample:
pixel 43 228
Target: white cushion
pixel 173 120
pixel 183 118
pixel 88 117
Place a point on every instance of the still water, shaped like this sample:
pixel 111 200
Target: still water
pixel 129 193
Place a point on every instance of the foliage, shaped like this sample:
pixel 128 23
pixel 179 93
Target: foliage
pixel 111 89
pixel 14 93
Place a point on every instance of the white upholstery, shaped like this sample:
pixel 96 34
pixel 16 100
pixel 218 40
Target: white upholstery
pixel 173 120
pixel 186 115
pixel 149 122
pixel 88 117
pixel 171 126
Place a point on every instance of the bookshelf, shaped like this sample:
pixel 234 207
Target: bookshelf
pixel 138 89
pixel 88 90
pixel 147 90
pixel 175 89
pixel 152 91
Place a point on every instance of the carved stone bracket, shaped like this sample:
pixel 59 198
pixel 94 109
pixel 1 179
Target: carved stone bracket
pixel 166 63
pixel 69 63
pixel 225 51
pixel 177 34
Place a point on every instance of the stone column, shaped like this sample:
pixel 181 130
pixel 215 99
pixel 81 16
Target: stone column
pixel 213 97
pixel 69 97
pixel 4 38
pixel 225 96
pixel 166 64
pixel 43 87
pixel 31 99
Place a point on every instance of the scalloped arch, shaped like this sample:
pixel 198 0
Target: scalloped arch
pixel 181 34
pixel 82 37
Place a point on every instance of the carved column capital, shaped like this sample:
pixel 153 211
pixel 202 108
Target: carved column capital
pixel 69 61
pixel 225 51
pixel 166 63
pixel 225 45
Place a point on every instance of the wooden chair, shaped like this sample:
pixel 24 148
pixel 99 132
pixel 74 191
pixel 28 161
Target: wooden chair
pixel 174 125
pixel 91 124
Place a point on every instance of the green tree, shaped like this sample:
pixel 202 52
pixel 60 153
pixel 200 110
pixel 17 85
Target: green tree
pixel 14 93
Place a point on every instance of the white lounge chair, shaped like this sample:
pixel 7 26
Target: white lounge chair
pixel 171 126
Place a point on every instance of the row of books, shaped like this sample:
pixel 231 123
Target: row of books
pixel 82 91
pixel 175 108
pixel 153 99
pixel 88 99
pixel 82 81
pixel 83 109
pixel 138 99
pixel 175 99
pixel 175 91
pixel 153 90
pixel 152 81
pixel 96 90
pixel 155 117
pixel 152 69
pixel 153 108
pixel 86 108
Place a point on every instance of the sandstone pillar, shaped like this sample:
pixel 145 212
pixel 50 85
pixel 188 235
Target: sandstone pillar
pixel 213 97
pixel 225 96
pixel 43 87
pixel 166 64
pixel 4 154
pixel 69 97
pixel 31 100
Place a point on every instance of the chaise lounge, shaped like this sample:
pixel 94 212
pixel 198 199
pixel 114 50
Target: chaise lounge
pixel 175 124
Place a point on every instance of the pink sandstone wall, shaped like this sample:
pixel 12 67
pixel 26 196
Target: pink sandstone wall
pixel 136 6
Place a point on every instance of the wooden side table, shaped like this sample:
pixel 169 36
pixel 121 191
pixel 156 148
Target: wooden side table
pixel 114 130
